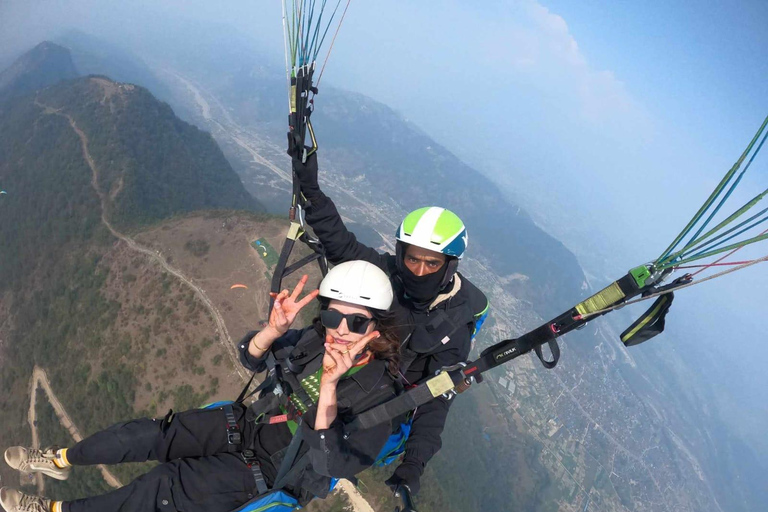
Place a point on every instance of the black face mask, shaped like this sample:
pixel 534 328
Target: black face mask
pixel 422 288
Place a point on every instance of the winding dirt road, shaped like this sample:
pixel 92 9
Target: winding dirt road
pixel 224 339
pixel 40 378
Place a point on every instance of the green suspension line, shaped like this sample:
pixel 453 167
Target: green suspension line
pixel 665 256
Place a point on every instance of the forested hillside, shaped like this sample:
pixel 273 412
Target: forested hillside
pixel 157 164
pixel 44 65
pixel 84 161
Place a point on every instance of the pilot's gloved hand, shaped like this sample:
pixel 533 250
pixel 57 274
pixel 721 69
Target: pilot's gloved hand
pixel 307 174
pixel 408 474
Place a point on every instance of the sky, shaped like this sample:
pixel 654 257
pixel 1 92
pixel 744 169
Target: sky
pixel 610 121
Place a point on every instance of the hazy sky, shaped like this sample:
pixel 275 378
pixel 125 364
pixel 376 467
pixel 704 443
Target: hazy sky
pixel 605 111
pixel 613 120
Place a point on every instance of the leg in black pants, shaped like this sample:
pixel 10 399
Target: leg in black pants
pixel 198 473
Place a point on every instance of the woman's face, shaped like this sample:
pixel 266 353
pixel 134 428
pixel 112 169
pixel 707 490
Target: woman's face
pixel 342 334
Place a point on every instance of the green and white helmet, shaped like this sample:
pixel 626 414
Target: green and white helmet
pixel 436 229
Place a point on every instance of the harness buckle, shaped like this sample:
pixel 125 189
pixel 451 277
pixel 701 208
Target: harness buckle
pixel 450 394
pixel 249 457
pixel 234 436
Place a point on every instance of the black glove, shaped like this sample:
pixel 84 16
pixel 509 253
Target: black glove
pixel 307 174
pixel 408 474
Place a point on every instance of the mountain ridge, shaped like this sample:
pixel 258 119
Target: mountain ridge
pixel 45 64
pixel 101 293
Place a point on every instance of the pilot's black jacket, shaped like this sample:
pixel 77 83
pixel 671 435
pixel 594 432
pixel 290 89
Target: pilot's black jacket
pixel 433 337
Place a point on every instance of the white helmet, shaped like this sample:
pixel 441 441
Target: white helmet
pixel 358 282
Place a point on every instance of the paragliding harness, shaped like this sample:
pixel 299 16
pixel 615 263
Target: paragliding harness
pixel 275 391
pixel 272 392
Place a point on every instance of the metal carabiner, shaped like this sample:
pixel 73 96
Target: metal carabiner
pixel 453 392
pixel 404 493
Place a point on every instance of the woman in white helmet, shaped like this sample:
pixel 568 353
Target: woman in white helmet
pixel 225 456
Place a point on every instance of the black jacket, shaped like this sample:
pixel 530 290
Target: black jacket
pixel 332 453
pixel 433 337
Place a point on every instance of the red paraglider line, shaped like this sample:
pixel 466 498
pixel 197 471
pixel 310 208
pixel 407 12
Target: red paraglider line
pixel 717 262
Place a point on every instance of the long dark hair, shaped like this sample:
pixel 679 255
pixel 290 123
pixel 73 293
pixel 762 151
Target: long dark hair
pixel 386 347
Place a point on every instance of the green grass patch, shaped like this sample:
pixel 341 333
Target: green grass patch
pixel 266 251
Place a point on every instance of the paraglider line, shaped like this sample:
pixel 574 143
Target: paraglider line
pixel 654 295
pixel 709 246
pixel 694 238
pixel 665 257
pixel 328 27
pixel 333 41
pixel 711 243
pixel 717 262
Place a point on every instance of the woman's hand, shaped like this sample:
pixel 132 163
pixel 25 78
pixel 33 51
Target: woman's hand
pixel 283 314
pixel 287 306
pixel 339 358
pixel 337 361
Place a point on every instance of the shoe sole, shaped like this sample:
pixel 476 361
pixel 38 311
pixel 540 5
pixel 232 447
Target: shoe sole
pixel 3 504
pixel 5 456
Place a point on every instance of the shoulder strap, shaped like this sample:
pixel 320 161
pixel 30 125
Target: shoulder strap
pixel 408 401
pixel 289 461
pixel 269 381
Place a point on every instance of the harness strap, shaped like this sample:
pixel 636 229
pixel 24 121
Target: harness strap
pixel 242 396
pixel 289 459
pixel 268 382
pixel 298 390
pixel 555 348
pixel 253 464
pixel 234 436
pixel 294 232
pixel 301 463
pixel 402 404
pixel 306 260
pixel 282 269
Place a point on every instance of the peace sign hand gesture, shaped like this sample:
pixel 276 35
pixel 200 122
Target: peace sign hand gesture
pixel 339 358
pixel 287 306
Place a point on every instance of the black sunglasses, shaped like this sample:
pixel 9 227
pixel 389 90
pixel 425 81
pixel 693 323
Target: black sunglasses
pixel 357 324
